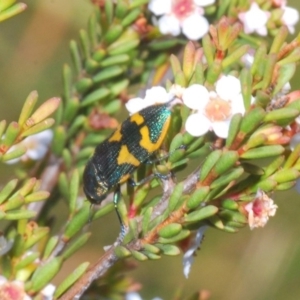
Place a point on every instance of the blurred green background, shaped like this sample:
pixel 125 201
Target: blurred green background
pixel 259 264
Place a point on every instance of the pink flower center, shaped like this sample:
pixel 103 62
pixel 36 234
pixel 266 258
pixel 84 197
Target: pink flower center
pixel 10 291
pixel 218 109
pixel 257 208
pixel 183 8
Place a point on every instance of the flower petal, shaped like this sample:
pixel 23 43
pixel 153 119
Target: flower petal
pixel 204 2
pixel 221 129
pixel 195 96
pixel 48 291
pixel 255 19
pixel 195 26
pixel 260 209
pixel 262 31
pixel 159 7
pixel 38 152
pixel 228 87
pixel 157 94
pixel 290 17
pixel 154 95
pixel 188 255
pixel 177 90
pixel 14 160
pixel 136 104
pixel 237 105
pixel 248 58
pixel 168 24
pixel 44 137
pixel 197 125
pixel 133 296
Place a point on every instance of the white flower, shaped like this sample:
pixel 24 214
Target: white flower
pixel 260 209
pixel 177 91
pixel 255 20
pixel 188 257
pixel 37 146
pixel 133 296
pixel 136 296
pixel 290 18
pixel 15 290
pixel 214 109
pixel 181 15
pixel 155 95
pixel 12 289
pixel 48 291
pixel 248 58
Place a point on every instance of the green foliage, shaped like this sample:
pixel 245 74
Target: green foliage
pixel 8 9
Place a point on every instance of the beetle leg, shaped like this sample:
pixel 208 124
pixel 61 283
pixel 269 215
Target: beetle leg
pixel 116 199
pixel 158 159
pixel 164 177
pixel 158 175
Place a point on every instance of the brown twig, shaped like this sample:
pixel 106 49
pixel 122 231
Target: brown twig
pixel 109 258
pixel 98 269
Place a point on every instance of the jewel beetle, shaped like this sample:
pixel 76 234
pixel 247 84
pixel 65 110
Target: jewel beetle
pixel 130 145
